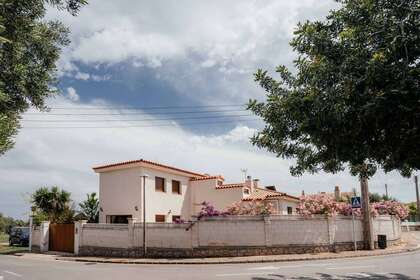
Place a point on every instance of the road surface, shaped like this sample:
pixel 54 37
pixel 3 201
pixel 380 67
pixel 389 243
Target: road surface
pixel 403 266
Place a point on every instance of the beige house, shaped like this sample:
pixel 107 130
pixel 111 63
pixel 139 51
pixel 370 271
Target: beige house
pixel 173 193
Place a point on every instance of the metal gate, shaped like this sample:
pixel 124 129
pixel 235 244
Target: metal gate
pixel 61 238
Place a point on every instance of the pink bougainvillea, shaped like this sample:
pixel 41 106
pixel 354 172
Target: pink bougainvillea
pixel 208 210
pixel 325 204
pixel 253 207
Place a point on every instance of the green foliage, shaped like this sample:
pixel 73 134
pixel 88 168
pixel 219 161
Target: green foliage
pixel 413 209
pixel 376 197
pixel 90 208
pixel 6 223
pixel 354 100
pixel 52 205
pixel 29 49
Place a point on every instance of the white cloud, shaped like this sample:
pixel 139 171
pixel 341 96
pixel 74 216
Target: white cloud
pixel 72 94
pixel 238 34
pixel 64 157
pixel 82 76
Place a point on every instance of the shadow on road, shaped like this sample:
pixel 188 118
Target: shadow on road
pixel 324 276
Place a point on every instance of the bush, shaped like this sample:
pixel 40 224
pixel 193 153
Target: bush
pixel 324 204
pixel 253 207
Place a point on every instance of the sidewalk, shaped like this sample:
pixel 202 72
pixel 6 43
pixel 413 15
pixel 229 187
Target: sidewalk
pixel 410 241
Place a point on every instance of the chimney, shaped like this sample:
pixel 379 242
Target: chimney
pixel 255 183
pixel 248 182
pixel 337 193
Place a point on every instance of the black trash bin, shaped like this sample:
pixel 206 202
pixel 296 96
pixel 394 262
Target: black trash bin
pixel 382 241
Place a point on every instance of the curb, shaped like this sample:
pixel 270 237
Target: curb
pixel 236 260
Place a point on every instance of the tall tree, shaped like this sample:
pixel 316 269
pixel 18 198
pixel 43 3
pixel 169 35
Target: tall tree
pixel 354 100
pixel 90 208
pixel 53 204
pixel 29 49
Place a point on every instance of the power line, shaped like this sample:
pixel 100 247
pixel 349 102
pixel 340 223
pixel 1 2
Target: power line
pixel 144 107
pixel 140 120
pixel 133 126
pixel 133 113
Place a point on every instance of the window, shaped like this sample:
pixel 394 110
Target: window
pixel 117 219
pixel 175 218
pixel 246 191
pixel 176 187
pixel 160 184
pixel 289 210
pixel 160 218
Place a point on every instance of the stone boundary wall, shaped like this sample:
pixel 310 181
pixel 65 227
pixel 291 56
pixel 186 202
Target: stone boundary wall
pixel 410 226
pixel 229 236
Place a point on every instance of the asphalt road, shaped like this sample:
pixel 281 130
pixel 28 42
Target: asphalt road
pixel 404 266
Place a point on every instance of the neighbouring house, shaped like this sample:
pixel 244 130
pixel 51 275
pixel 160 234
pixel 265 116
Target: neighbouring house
pixel 338 195
pixel 173 193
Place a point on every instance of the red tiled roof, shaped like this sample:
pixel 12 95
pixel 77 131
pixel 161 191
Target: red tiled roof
pixel 262 194
pixel 97 168
pixel 229 186
pixel 207 178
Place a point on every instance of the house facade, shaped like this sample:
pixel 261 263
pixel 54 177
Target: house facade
pixel 172 193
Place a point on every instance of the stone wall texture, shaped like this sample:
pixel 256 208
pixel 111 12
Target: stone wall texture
pixel 232 236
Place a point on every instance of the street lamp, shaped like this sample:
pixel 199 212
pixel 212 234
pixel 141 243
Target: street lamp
pixel 144 176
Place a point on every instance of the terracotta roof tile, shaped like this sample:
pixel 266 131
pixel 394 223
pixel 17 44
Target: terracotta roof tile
pixel 97 168
pixel 262 194
pixel 230 186
pixel 207 178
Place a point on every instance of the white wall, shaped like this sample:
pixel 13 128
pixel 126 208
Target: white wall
pixel 36 236
pixel 165 236
pixel 205 190
pixel 120 191
pixel 298 230
pixel 105 235
pixel 237 231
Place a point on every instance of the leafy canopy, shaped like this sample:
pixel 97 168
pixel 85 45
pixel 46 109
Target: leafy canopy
pixel 355 97
pixel 52 204
pixel 29 49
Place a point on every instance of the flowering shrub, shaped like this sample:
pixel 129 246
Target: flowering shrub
pixel 208 210
pixel 179 221
pixel 391 208
pixel 254 207
pixel 324 204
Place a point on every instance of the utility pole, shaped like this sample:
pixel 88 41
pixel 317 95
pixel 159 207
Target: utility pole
pixel 367 220
pixel 416 182
pixel 386 190
pixel 144 215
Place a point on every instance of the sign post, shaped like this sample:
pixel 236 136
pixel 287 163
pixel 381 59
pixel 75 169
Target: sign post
pixel 355 203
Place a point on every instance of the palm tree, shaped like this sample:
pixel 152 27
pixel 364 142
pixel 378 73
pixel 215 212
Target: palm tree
pixel 52 203
pixel 90 208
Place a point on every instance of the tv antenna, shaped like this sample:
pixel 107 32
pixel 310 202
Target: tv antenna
pixel 245 172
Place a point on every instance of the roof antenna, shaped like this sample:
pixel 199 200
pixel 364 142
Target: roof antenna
pixel 245 172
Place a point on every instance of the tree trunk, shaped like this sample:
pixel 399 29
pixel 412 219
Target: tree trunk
pixel 367 219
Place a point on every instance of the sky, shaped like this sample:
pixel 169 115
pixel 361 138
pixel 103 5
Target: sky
pixel 167 60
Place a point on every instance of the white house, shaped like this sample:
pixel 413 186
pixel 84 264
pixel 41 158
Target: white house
pixel 172 193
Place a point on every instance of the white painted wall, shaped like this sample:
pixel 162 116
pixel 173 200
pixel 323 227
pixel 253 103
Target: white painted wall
pixel 205 190
pixel 164 236
pixel 233 231
pixel 120 191
pixel 298 230
pixel 237 231
pixel 105 235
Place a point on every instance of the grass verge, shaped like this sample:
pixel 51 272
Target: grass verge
pixel 6 249
pixel 4 237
